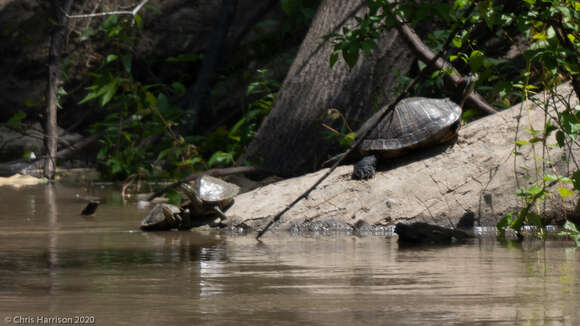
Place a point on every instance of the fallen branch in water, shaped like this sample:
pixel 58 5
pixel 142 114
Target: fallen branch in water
pixel 18 166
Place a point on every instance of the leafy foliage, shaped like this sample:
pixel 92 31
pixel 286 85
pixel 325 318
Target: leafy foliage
pixel 570 230
pixel 142 123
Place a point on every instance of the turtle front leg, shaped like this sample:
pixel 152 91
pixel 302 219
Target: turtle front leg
pixel 365 168
pixel 221 217
pixel 172 218
pixel 185 220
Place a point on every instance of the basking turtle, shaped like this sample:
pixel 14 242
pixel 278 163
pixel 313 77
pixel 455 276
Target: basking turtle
pixel 208 197
pixel 162 217
pixel 414 122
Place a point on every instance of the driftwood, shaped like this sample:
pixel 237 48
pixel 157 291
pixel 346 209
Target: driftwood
pixel 21 166
pixel 476 176
pixel 425 233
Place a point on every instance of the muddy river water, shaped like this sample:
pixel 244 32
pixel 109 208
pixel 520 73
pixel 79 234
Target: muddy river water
pixel 57 267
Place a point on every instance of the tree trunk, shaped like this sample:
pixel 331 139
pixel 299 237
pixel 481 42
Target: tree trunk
pixel 291 139
pixel 57 41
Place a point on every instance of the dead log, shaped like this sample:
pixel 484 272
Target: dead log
pixel 425 233
pixel 478 174
pixel 22 166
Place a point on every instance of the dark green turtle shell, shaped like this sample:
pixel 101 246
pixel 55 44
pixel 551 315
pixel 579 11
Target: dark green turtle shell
pixel 415 122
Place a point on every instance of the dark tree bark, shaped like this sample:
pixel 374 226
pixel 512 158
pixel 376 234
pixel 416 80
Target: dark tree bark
pixel 195 94
pixel 57 42
pixel 290 140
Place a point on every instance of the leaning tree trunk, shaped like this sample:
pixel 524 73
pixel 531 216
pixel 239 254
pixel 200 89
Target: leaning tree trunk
pixel 57 40
pixel 291 139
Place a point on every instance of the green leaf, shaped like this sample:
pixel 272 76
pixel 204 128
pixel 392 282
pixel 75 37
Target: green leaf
pixel 565 192
pixel 550 177
pixel 576 179
pixel 179 88
pixel 138 21
pixel 560 138
pixel 349 138
pixel 517 223
pixel 540 36
pixel 88 97
pixel 350 56
pixel 333 59
pixel 535 190
pixel 111 58
pixel 553 177
pixel 174 197
pixel 570 226
pixel 127 62
pixel 151 99
pixel 368 46
pixel 253 88
pixel 522 142
pixel 505 221
pixel 162 104
pixel 15 122
pixel 220 158
pixel 108 92
pixel 534 219
pixel 476 60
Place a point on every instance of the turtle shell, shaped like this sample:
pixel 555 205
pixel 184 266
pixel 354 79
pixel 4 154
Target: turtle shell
pixel 215 191
pixel 157 221
pixel 415 122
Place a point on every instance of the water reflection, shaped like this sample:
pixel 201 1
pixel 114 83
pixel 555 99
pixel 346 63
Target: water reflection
pixel 55 262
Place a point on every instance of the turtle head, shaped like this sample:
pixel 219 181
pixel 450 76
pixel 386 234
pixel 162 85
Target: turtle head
pixel 192 194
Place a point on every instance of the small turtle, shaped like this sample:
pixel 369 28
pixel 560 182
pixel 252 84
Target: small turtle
pixel 208 197
pixel 162 217
pixel 414 122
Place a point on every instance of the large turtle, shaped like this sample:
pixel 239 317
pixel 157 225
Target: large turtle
pixel 414 122
pixel 209 198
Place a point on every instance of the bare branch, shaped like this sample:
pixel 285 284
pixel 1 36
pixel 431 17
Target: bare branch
pixel 111 13
pixel 425 54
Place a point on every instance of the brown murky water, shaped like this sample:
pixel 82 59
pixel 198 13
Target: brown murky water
pixel 55 263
